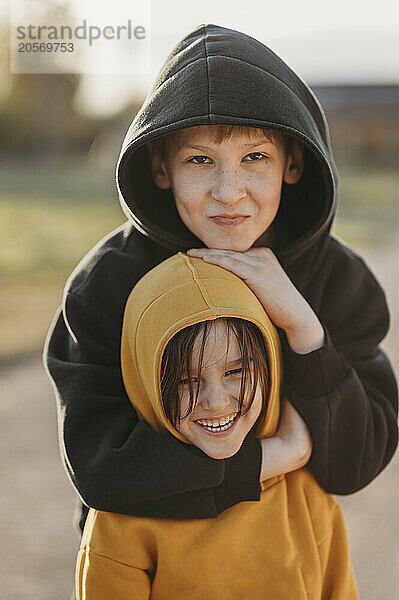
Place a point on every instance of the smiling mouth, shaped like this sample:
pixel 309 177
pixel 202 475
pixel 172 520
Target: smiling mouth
pixel 218 427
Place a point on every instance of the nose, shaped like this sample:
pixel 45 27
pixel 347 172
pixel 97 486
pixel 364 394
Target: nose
pixel 216 398
pixel 228 187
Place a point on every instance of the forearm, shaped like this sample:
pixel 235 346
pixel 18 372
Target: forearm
pixel 119 464
pixel 291 446
pixel 307 335
pixel 278 457
pixel 154 475
pixel 350 407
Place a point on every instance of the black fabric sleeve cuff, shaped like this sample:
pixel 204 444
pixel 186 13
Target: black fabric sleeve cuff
pixel 316 373
pixel 241 479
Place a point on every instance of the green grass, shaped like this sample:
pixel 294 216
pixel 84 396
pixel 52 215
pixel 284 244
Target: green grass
pixel 368 207
pixel 39 246
pixel 52 181
pixel 369 189
pixel 42 238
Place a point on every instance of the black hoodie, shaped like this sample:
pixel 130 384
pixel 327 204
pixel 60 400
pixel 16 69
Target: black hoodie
pixel 345 391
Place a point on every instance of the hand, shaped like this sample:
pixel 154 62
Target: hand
pixel 290 448
pixel 284 304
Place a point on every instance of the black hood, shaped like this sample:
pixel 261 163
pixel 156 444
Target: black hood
pixel 219 75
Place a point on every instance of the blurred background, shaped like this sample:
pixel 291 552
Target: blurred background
pixel 60 136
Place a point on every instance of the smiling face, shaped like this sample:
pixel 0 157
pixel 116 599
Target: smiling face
pixel 227 193
pixel 223 414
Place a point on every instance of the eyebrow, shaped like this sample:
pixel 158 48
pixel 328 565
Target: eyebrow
pixel 232 363
pixel 248 145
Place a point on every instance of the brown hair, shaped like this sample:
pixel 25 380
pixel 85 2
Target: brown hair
pixel 177 362
pixel 220 132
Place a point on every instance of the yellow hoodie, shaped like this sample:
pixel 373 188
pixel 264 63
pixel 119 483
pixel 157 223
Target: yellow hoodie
pixel 290 545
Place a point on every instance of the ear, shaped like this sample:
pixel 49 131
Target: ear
pixel 295 163
pixel 158 168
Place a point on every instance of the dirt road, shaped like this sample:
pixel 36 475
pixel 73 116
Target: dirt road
pixel 37 542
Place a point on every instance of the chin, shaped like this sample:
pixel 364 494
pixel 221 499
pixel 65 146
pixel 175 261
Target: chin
pixel 221 453
pixel 229 244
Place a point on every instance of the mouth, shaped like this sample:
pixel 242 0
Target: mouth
pixel 220 426
pixel 229 220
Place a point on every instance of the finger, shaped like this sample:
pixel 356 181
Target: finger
pixel 256 258
pixel 201 251
pixel 237 265
pixel 210 253
pixel 263 250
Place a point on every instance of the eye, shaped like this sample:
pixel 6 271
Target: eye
pixel 257 155
pixel 234 372
pixel 201 162
pixel 186 380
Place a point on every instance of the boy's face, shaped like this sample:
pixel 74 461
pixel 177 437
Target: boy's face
pixel 214 426
pixel 227 194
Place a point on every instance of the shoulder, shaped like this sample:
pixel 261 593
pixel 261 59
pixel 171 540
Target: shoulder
pixel 104 278
pixel 348 296
pixel 342 265
pixel 113 244
pixel 120 256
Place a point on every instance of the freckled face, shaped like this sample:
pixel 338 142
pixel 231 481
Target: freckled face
pixel 214 425
pixel 227 194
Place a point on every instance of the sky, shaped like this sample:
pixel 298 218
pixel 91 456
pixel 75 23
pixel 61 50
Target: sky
pixel 343 41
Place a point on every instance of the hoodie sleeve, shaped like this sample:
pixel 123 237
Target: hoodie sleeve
pixel 116 462
pixel 346 390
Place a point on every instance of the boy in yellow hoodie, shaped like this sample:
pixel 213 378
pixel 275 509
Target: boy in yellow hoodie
pixel 199 365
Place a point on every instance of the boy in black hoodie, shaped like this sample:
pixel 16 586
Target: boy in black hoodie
pixel 340 381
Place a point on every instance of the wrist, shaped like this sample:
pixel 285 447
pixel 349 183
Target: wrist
pixel 272 457
pixel 306 337
pixel 313 374
pixel 280 457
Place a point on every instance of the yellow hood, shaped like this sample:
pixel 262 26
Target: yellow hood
pixel 179 292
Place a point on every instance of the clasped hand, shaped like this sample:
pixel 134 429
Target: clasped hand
pixel 284 304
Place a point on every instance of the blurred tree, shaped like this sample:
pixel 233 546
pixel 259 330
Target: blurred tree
pixel 37 118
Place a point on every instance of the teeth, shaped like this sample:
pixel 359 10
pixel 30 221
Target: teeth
pixel 221 425
pixel 217 423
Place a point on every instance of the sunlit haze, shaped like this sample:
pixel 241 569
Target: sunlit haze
pixel 338 42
